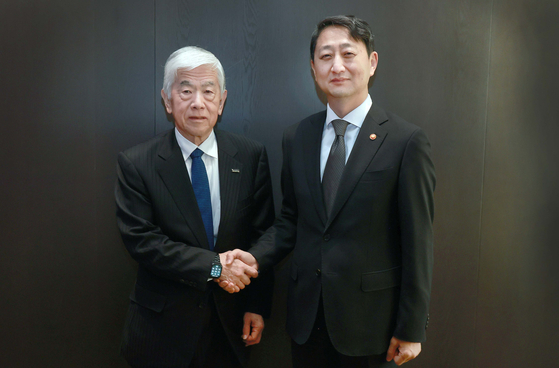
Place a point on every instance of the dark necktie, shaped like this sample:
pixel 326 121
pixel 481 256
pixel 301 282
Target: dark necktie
pixel 201 187
pixel 335 165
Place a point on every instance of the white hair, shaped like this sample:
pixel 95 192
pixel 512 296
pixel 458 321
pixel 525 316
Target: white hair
pixel 188 58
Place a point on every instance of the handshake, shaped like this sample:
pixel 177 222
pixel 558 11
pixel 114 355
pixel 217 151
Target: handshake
pixel 237 268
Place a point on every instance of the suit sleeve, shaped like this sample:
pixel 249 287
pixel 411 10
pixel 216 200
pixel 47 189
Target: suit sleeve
pixel 144 239
pixel 260 289
pixel 279 240
pixel 416 210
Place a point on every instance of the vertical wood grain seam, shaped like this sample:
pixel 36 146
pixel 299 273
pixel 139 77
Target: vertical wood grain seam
pixel 154 68
pixel 490 44
pixel 249 62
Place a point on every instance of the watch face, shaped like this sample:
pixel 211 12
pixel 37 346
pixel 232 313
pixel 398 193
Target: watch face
pixel 216 271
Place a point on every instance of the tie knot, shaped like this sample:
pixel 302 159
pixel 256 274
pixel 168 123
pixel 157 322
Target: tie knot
pixel 340 126
pixel 197 153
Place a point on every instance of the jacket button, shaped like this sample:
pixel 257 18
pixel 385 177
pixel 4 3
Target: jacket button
pixel 318 272
pixel 326 237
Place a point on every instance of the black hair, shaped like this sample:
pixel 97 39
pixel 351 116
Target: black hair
pixel 358 29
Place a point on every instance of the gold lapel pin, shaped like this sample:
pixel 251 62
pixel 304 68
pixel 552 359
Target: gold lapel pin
pixel 373 137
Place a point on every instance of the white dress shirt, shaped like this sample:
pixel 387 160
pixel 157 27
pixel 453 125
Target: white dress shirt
pixel 209 147
pixel 355 119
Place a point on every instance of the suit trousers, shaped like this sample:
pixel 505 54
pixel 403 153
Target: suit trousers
pixel 318 351
pixel 213 348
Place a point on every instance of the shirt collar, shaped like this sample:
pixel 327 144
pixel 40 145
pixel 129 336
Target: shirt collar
pixel 355 117
pixel 209 146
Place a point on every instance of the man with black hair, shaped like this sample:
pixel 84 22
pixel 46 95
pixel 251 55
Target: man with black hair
pixel 357 214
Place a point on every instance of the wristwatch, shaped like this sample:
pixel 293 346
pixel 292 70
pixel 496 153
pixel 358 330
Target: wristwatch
pixel 216 268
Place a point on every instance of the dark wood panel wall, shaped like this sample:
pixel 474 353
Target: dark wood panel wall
pixel 81 81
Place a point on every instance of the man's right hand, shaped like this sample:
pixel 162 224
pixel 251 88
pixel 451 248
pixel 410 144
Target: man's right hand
pixel 235 274
pixel 246 257
pixel 236 260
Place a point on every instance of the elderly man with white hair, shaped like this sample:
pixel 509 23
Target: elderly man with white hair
pixel 184 199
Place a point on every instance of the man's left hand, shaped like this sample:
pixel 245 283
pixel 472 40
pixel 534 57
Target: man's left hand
pixel 252 328
pixel 402 351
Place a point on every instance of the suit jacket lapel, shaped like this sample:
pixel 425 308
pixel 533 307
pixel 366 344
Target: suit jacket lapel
pixel 361 155
pixel 312 140
pixel 230 174
pixel 173 172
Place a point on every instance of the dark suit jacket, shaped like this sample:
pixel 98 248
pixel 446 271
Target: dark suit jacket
pixel 162 228
pixel 372 259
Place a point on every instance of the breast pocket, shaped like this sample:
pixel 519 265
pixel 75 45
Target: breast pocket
pixel 378 175
pixel 244 203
